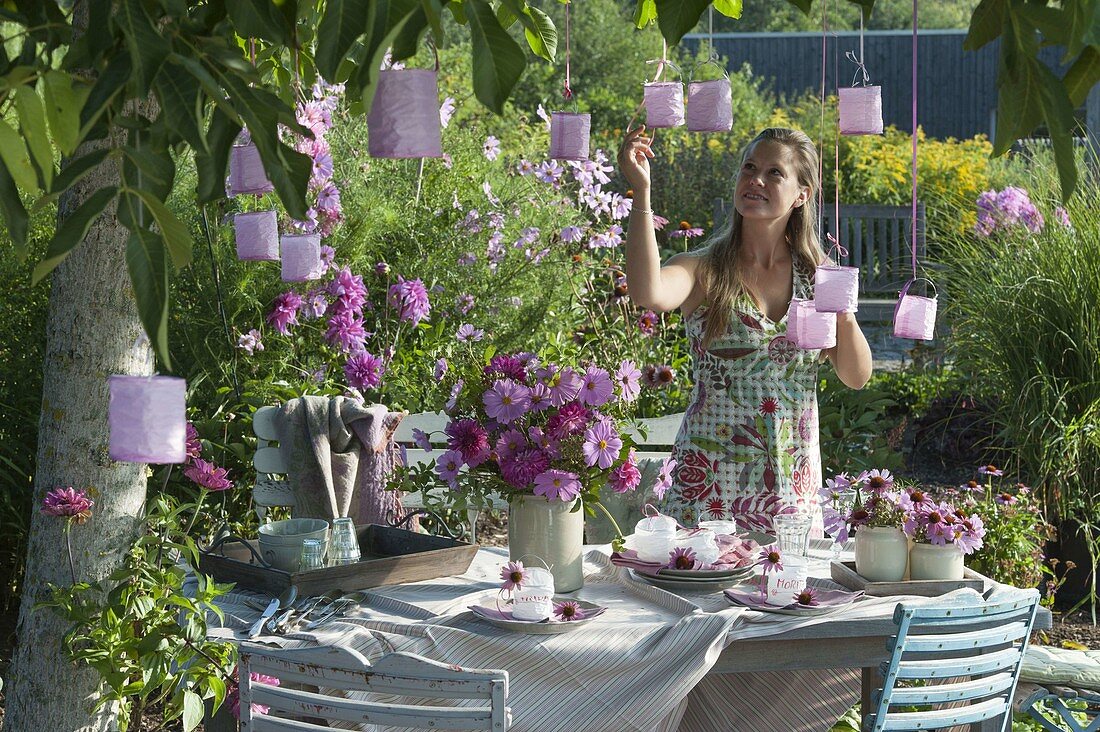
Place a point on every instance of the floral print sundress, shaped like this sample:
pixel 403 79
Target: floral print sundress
pixel 748 445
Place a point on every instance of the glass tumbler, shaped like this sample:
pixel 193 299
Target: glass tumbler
pixel 344 544
pixel 791 532
pixel 843 503
pixel 313 555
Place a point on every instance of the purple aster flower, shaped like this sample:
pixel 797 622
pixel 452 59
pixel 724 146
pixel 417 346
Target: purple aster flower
pixel 596 387
pixel 601 445
pixel 250 342
pixel 347 330
pixel 447 466
pixel 571 419
pixel 520 469
pixel 568 610
pixel 410 299
pixel 506 401
pixel 491 147
pixel 207 475
pixel 420 437
pixel 664 477
pixel 467 332
pixel 284 311
pixel 363 370
pixel 626 477
pixel 682 557
pixel 470 439
pixel 194 442
pixel 559 485
pixel 440 369
pixel 68 502
pixel 514 575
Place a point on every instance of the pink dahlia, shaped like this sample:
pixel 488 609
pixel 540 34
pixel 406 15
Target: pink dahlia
pixel 470 439
pixel 571 419
pixel 522 468
pixel 284 311
pixel 363 370
pixel 410 299
pixel 626 477
pixel 348 291
pixel 208 475
pixel 345 329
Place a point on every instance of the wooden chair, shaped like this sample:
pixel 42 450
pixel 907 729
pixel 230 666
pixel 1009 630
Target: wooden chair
pixel 970 653
pixel 332 671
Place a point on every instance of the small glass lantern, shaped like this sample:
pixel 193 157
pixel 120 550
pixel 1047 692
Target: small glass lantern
pixel 654 538
pixel 246 171
pixel 914 316
pixel 301 257
pixel 664 104
pixel 710 106
pixel 257 235
pixel 792 319
pixel 404 117
pixel 569 133
pixel 815 330
pixel 861 110
pixel 534 598
pixel 147 419
pixel 836 289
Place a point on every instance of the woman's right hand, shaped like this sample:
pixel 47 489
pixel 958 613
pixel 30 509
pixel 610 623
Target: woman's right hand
pixel 634 155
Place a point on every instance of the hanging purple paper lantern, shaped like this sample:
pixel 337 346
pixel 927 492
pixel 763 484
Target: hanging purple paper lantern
pixel 664 104
pixel 257 235
pixel 815 330
pixel 861 110
pixel 792 319
pixel 404 117
pixel 914 316
pixel 569 134
pixel 246 171
pixel 301 255
pixel 147 419
pixel 836 289
pixel 710 106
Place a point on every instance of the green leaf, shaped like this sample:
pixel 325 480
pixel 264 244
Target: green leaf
pixel 149 277
pixel 63 103
pixel 72 231
pixel 103 92
pixel 260 19
pixel 148 49
pixel 175 234
pixel 730 8
pixel 181 105
pixel 192 706
pixel 386 20
pixel 212 162
pixel 433 10
pixel 1083 75
pixel 342 23
pixel 1050 22
pixel 1058 113
pixel 986 23
pixel 77 168
pixel 407 40
pixel 32 121
pixel 498 60
pixel 217 688
pixel 645 12
pixel 677 17
pixel 15 215
pixel 14 154
pixel 803 5
pixel 541 34
pixel 506 14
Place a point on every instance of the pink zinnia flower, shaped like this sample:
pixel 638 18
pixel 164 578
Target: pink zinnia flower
pixel 470 439
pixel 363 370
pixel 194 442
pixel 514 575
pixel 626 477
pixel 410 299
pixel 627 378
pixel 506 401
pixel 447 466
pixel 284 311
pixel 208 475
pixel 664 477
pixel 568 610
pixel 596 387
pixel 601 445
pixel 682 557
pixel 68 502
pixel 558 485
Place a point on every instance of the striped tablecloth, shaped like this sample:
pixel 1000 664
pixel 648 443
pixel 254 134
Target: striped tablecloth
pixel 641 666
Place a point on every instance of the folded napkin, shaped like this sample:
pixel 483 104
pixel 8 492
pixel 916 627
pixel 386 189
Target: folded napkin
pixel 737 553
pixel 500 614
pixel 752 599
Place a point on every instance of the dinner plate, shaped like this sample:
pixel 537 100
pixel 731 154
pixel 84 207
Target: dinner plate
pixel 700 575
pixel 829 601
pixel 688 585
pixel 501 617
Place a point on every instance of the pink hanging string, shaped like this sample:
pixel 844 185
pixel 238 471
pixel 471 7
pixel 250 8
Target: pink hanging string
pixel 913 167
pixel 821 126
pixel 568 93
pixel 836 154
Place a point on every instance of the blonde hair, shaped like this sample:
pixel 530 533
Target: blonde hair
pixel 719 272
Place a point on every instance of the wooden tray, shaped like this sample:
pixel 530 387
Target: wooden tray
pixel 389 556
pixel 845 574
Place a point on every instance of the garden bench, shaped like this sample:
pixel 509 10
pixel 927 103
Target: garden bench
pixel 877 240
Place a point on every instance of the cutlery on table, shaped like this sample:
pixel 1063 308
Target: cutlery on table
pixel 282 601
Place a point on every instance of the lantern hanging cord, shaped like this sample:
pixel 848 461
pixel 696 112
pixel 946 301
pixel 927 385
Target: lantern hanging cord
pixel 821 125
pixel 861 78
pixel 836 152
pixel 568 94
pixel 221 301
pixel 913 166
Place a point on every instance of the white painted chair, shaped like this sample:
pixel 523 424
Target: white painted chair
pixel 972 654
pixel 335 671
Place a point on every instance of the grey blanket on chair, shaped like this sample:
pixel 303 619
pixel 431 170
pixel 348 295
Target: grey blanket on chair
pixel 339 455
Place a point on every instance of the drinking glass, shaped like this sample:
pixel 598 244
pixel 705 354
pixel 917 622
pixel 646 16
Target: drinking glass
pixel 313 555
pixel 843 502
pixel 345 544
pixel 727 527
pixel 792 532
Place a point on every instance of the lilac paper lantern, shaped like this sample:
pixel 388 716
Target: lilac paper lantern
pixel 301 257
pixel 246 171
pixel 914 316
pixel 569 133
pixel 710 106
pixel 404 117
pixel 147 419
pixel 664 104
pixel 257 236
pixel 792 319
pixel 836 289
pixel 815 330
pixel 861 110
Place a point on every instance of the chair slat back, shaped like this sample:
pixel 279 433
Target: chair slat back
pixel 977 647
pixel 406 675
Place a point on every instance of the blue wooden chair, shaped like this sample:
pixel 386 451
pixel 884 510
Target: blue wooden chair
pixel 1064 701
pixel 965 660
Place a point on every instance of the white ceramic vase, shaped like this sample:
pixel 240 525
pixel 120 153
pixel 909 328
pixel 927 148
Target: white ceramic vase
pixel 882 553
pixel 932 562
pixel 551 531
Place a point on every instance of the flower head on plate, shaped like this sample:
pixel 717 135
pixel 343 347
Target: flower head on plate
pixel 568 610
pixel 682 557
pixel 807 597
pixel 514 575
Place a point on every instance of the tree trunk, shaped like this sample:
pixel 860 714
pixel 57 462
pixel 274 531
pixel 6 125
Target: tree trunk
pixel 91 331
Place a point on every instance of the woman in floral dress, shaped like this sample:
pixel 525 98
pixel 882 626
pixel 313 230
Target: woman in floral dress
pixel 748 445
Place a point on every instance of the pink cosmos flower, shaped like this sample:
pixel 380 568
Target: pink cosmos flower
pixel 410 299
pixel 363 370
pixel 560 485
pixel 194 442
pixel 68 502
pixel 464 303
pixel 969 533
pixel 565 386
pixel 420 437
pixel 447 466
pixel 467 332
pixel 626 477
pixel 440 369
pixel 208 475
pixel 540 397
pixel 682 557
pixel 601 445
pixel 627 377
pixel 506 401
pixel 446 111
pixel 664 477
pixel 284 311
pixel 596 387
pixel 568 610
pixel 514 575
pixel 470 439
pixel 452 400
pixel 509 443
pixel 491 148
pixel 571 234
pixel 250 342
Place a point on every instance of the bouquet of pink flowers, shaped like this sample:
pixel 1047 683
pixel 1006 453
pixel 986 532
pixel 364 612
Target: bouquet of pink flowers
pixel 937 522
